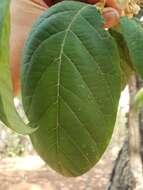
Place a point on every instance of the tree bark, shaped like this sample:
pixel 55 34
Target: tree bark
pixel 127 173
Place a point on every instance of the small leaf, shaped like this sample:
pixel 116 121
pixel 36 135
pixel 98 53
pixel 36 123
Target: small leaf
pixel 125 62
pixel 71 86
pixel 132 32
pixel 8 114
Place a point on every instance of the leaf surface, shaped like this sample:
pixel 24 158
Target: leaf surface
pixel 132 32
pixel 125 62
pixel 71 86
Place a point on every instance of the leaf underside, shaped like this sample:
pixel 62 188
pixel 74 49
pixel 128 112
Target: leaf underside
pixel 8 113
pixel 71 86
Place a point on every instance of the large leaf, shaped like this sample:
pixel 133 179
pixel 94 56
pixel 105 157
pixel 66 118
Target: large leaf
pixel 132 32
pixel 8 114
pixel 71 86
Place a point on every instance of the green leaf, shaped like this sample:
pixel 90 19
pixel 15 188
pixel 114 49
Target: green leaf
pixel 125 62
pixel 71 86
pixel 8 114
pixel 132 32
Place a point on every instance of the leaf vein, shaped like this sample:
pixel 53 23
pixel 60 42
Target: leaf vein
pixel 82 124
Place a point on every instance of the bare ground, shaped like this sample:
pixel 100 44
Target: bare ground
pixel 30 173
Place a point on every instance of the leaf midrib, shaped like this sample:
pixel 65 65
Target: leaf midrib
pixel 59 75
